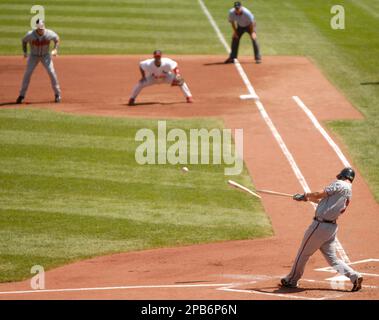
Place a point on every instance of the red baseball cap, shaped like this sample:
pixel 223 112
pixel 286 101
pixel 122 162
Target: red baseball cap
pixel 157 53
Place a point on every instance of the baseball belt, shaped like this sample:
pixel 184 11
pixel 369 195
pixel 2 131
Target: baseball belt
pixel 325 221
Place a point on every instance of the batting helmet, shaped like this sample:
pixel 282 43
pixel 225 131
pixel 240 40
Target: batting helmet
pixel 346 173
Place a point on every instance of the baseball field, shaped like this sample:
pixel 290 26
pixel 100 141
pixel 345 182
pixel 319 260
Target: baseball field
pixel 74 200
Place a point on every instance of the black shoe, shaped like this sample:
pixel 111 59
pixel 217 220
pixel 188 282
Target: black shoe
pixel 58 98
pixel 258 61
pixel 132 102
pixel 357 285
pixel 19 99
pixel 285 284
pixel 229 60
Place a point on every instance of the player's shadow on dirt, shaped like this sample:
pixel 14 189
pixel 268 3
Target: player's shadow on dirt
pixel 370 83
pixel 293 290
pixel 139 104
pixel 4 104
pixel 12 103
pixel 222 63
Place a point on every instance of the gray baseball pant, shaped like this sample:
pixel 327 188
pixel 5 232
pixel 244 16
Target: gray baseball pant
pixel 47 62
pixel 150 80
pixel 319 235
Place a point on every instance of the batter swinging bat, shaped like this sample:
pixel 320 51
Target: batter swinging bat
pixel 238 186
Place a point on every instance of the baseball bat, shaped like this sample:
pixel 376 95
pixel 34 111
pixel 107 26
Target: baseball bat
pixel 275 193
pixel 241 187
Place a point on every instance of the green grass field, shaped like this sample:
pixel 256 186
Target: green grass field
pixel 69 185
pixel 71 188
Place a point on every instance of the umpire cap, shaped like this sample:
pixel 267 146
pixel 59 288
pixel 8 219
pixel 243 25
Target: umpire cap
pixel 346 173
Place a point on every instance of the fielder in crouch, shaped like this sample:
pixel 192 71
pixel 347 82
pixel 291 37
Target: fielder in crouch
pixel 39 41
pixel 159 70
pixel 321 234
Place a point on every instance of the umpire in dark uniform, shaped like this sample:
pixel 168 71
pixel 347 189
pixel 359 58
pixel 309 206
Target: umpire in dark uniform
pixel 242 20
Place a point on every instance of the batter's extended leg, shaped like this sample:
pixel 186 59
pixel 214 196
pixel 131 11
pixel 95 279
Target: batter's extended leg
pixel 328 250
pixel 310 244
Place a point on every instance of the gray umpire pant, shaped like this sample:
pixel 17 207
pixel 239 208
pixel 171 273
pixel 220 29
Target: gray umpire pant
pixel 47 62
pixel 319 235
pixel 236 43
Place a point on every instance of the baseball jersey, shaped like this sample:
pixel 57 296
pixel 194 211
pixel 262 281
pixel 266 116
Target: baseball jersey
pixel 39 45
pixel 339 195
pixel 167 66
pixel 243 20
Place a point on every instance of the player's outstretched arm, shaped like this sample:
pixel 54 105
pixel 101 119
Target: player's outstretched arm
pixel 312 196
pixel 316 196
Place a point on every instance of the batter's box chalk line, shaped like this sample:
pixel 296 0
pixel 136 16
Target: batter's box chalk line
pixel 343 278
pixel 236 287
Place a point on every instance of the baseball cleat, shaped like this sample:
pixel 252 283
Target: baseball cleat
pixel 229 60
pixel 285 284
pixel 189 100
pixel 132 102
pixel 357 285
pixel 19 99
pixel 259 61
pixel 58 98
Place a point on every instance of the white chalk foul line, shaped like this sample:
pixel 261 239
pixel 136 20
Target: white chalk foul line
pixel 227 48
pixel 318 126
pixel 180 286
pixel 268 121
pixel 214 25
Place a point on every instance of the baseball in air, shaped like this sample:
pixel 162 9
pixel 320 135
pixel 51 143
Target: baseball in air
pixel 185 169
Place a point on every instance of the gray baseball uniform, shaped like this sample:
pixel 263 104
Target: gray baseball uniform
pixel 321 234
pixel 39 52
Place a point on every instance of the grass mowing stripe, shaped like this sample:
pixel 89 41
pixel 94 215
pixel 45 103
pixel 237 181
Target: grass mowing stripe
pixel 371 9
pixel 94 27
pixel 110 34
pixel 124 173
pixel 49 139
pixel 105 11
pixel 108 207
pixel 125 47
pixel 103 124
pixel 115 3
pixel 100 21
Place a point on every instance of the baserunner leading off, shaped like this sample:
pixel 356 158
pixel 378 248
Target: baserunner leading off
pixel 39 42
